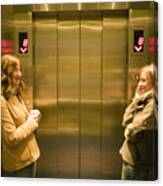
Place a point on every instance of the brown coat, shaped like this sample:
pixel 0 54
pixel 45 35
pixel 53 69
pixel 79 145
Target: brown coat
pixel 140 122
pixel 19 146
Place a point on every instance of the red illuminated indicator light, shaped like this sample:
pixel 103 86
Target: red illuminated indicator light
pixel 140 43
pixel 24 47
pixel 23 42
pixel 138 46
pixel 152 42
pixel 6 46
pixel 6 43
pixel 7 50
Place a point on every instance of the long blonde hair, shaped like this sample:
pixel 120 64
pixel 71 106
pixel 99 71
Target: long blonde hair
pixel 8 65
pixel 152 71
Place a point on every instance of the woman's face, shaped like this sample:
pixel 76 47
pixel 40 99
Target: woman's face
pixel 145 83
pixel 16 76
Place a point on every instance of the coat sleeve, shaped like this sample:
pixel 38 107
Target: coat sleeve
pixel 129 114
pixel 142 121
pixel 13 135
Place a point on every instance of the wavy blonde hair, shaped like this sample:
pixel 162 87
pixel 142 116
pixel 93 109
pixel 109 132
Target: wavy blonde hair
pixel 8 65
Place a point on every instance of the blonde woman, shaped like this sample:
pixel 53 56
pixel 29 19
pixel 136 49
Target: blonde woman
pixel 139 149
pixel 20 150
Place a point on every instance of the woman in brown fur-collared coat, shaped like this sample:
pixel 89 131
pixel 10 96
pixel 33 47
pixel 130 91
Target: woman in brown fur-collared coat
pixel 139 149
pixel 20 150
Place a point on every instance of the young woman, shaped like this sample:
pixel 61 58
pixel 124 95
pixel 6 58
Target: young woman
pixel 20 150
pixel 139 150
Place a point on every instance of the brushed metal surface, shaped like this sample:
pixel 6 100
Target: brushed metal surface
pixel 79 6
pixel 68 94
pixel 115 33
pixel 140 20
pixel 45 90
pixel 23 23
pixel 80 85
pixel 91 27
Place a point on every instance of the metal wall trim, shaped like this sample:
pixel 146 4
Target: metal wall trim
pixel 78 7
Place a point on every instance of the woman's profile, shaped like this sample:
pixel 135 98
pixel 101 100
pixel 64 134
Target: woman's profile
pixel 20 150
pixel 139 149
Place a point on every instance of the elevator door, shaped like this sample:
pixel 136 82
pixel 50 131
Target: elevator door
pixel 45 91
pixel 80 87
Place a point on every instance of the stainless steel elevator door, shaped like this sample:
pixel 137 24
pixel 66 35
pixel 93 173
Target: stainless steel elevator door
pixel 90 115
pixel 68 95
pixel 80 69
pixel 115 26
pixel 45 90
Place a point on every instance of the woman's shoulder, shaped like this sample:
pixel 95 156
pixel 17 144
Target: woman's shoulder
pixel 3 101
pixel 3 98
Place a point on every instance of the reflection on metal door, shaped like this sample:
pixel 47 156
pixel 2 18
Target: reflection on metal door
pixel 80 88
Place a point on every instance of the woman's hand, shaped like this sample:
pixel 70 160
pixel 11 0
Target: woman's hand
pixel 138 93
pixel 36 114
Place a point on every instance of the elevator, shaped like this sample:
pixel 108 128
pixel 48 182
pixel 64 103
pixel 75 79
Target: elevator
pixel 79 71
pixel 80 86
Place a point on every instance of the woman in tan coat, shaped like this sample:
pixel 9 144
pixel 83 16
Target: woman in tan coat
pixel 20 150
pixel 139 149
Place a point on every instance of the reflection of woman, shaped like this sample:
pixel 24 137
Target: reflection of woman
pixel 19 147
pixel 139 150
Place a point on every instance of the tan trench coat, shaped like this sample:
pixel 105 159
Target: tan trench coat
pixel 19 146
pixel 140 122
